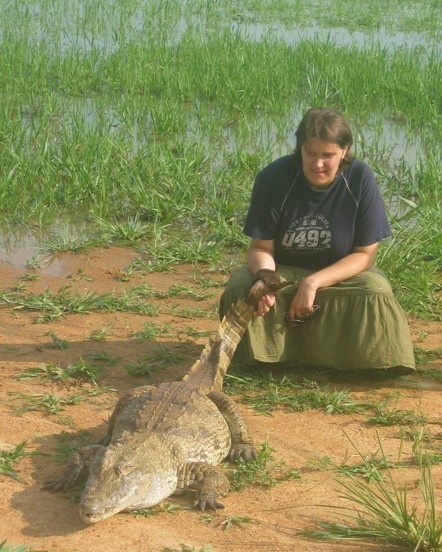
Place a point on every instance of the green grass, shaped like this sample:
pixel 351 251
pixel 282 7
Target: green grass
pixel 235 521
pixel 151 331
pixel 190 548
pixel 412 261
pixel 382 511
pixel 265 471
pixel 163 357
pixel 423 355
pixel 47 402
pixel 151 130
pixel 70 442
pixel 9 458
pixel 52 403
pixel 51 306
pixel 4 547
pixel 81 370
pixel 387 414
pixel 163 507
pixel 266 393
pixel 57 342
pixel 369 469
pixel 101 335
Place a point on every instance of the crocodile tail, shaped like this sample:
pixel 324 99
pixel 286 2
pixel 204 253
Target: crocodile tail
pixel 215 359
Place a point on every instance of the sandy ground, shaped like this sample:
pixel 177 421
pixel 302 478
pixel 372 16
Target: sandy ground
pixel 273 518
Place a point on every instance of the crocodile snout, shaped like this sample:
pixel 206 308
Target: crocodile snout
pixel 91 514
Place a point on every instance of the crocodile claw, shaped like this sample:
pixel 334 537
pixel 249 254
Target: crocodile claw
pixel 54 485
pixel 208 505
pixel 242 451
pixel 66 479
pixel 76 464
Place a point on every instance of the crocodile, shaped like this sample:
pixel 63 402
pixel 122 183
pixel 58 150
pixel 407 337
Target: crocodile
pixel 164 439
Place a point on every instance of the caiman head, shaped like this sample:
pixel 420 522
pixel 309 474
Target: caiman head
pixel 123 477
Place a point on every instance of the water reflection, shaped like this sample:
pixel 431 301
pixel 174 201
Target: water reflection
pixel 338 36
pixel 99 30
pixel 23 246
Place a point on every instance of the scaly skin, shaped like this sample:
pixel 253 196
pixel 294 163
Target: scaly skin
pixel 164 439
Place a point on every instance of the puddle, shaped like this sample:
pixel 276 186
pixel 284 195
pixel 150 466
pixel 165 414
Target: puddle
pixel 21 248
pixel 25 256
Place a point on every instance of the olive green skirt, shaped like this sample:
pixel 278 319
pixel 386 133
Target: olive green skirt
pixel 360 325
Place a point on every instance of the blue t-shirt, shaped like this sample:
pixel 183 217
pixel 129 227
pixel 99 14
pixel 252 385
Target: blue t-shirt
pixel 313 229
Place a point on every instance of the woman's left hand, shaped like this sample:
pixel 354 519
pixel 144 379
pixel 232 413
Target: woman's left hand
pixel 303 300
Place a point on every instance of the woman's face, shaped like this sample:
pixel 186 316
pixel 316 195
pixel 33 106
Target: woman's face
pixel 321 161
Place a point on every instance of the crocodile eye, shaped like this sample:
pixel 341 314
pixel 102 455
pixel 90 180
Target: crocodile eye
pixel 123 468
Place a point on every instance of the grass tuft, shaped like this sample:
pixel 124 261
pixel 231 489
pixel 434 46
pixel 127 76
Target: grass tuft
pixel 266 393
pixel 383 511
pixel 264 471
pixel 10 457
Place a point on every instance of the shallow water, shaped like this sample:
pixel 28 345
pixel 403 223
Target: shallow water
pixel 339 36
pixel 22 251
pixel 23 247
pixel 77 30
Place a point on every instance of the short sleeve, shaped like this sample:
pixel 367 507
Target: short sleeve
pixel 269 191
pixel 371 221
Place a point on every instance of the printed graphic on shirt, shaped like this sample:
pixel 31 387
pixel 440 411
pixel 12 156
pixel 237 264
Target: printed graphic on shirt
pixel 308 234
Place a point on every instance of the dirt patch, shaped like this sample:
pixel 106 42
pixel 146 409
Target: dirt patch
pixel 272 518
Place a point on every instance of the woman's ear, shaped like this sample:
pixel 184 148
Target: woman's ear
pixel 344 154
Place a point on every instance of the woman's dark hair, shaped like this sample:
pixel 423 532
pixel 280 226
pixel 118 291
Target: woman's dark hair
pixel 326 124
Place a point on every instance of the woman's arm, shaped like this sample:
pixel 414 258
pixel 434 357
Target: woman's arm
pixel 259 256
pixel 359 260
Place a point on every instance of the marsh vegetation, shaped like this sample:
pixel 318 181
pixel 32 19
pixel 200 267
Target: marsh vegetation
pixel 143 124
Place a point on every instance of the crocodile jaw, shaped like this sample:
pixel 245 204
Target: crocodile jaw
pixel 124 478
pixel 144 492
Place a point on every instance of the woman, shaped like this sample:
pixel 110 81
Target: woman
pixel 316 218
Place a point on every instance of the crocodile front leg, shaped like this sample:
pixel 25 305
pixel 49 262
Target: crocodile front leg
pixel 242 442
pixel 77 462
pixel 209 481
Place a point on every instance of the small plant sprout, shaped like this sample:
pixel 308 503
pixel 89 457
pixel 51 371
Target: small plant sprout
pixel 167 507
pixel 57 342
pixel 163 357
pixel 29 277
pixel 234 521
pixel 10 457
pixel 387 414
pixel 35 263
pixel 80 370
pixel 186 548
pixel 128 231
pixel 264 471
pixel 100 335
pixel 4 547
pixel 151 330
pixel 49 403
pixel 141 369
